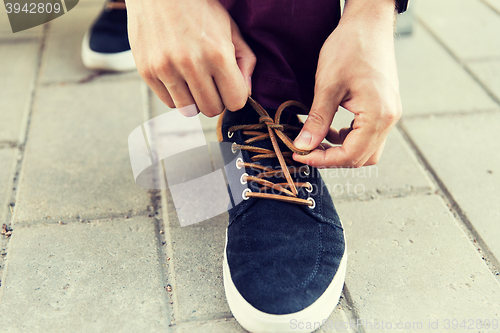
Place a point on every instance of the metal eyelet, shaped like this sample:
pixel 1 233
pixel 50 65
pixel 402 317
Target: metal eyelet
pixel 238 160
pixel 313 203
pixel 310 188
pixel 243 195
pixel 233 149
pixel 230 134
pixel 308 171
pixel 243 181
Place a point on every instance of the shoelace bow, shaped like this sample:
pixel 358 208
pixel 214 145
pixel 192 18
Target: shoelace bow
pixel 288 190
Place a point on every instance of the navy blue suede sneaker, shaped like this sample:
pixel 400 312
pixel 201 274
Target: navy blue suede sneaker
pixel 285 256
pixel 106 46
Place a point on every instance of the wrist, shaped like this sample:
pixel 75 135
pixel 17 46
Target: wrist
pixel 380 12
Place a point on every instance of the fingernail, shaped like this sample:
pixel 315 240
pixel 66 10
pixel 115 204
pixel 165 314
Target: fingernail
pixel 188 111
pixel 303 140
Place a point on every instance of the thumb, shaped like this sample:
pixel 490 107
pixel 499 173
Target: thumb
pixel 245 58
pixel 319 119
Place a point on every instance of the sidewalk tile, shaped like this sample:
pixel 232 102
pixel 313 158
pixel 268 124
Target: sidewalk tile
pixel 465 26
pixel 84 277
pixel 488 71
pixel 431 81
pixel 77 160
pixel 7 157
pixel 463 151
pixel 409 261
pixel 220 326
pixel 18 66
pixel 337 322
pixel 62 58
pixel 197 262
pixel 494 4
pixel 397 172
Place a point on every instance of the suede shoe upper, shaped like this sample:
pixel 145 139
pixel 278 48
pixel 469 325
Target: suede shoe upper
pixel 109 32
pixel 282 256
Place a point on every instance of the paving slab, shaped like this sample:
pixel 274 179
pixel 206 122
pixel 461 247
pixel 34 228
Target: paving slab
pixel 464 26
pixel 495 4
pixel 410 263
pixel 397 173
pixel 198 252
pixel 84 277
pixel 18 67
pixel 431 81
pixel 488 71
pixel 463 151
pixel 7 160
pixel 62 57
pixel 218 326
pixel 76 160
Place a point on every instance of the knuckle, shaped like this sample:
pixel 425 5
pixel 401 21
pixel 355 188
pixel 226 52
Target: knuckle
pixel 218 58
pixel 163 64
pixel 392 115
pixel 315 119
pixel 146 73
pixel 186 63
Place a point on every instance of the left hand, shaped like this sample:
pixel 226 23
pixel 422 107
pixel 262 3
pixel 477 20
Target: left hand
pixel 356 70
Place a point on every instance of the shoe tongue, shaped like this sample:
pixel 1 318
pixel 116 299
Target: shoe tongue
pixel 248 115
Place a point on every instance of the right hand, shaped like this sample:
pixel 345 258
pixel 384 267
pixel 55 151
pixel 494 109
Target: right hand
pixel 191 52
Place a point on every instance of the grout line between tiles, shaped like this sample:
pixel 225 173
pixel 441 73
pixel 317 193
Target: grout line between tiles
pixel 466 225
pixel 24 131
pixel 493 8
pixel 461 62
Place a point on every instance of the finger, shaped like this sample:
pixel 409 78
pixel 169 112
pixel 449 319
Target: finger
pixel 359 145
pixel 160 91
pixel 338 137
pixel 206 96
pixel 245 58
pixel 319 119
pixel 229 80
pixel 183 100
pixel 375 158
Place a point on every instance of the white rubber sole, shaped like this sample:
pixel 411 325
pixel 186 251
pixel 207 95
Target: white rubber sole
pixel 118 62
pixel 306 320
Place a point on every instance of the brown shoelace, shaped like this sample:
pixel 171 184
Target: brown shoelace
pixel 120 4
pixel 288 190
